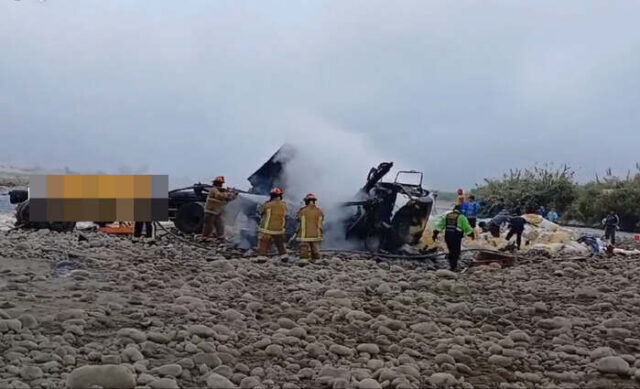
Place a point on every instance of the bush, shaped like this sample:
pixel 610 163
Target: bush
pixel 597 198
pixel 528 189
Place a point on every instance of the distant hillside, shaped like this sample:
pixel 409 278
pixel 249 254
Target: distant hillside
pixel 14 176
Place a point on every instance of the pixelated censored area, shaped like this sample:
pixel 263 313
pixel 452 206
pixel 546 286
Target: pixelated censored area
pixel 98 198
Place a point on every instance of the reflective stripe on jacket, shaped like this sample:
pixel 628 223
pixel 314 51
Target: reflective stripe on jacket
pixel 273 215
pixel 310 228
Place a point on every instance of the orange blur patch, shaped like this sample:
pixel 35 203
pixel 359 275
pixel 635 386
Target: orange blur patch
pixel 55 186
pixel 91 186
pixel 107 187
pixel 124 187
pixel 142 186
pixel 73 186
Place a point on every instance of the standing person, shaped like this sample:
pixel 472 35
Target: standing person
pixel 217 200
pixel 455 226
pixel 310 219
pixel 553 216
pixel 150 231
pixel 460 199
pixel 611 223
pixel 272 224
pixel 470 210
pixel 542 211
pixel 516 227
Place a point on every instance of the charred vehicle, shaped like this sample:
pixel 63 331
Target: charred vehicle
pixel 389 215
pixel 20 197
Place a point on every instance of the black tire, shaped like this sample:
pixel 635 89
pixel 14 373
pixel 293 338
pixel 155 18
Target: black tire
pixel 62 226
pixel 190 218
pixel 22 219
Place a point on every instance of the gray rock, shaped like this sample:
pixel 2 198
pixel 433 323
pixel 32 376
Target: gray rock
pixel 71 314
pixel 442 380
pixel 170 370
pixel 106 376
pixel 500 360
pixel 164 383
pixel 369 383
pixel 613 365
pixel 201 330
pixel 335 293
pixel 216 381
pixel 249 382
pixel 370 348
pixel 274 350
pixel 28 321
pixel 30 373
pixel 443 273
pixel 284 322
pixel 133 334
pixel 209 359
pixel 341 350
pixel 10 325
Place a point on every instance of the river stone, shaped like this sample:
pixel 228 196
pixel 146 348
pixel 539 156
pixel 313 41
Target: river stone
pixel 369 383
pixel 613 365
pixel 216 381
pixel 106 376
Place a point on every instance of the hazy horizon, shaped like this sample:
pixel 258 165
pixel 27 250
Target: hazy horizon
pixel 195 89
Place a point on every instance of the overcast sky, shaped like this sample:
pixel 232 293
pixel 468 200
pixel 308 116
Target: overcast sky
pixel 459 89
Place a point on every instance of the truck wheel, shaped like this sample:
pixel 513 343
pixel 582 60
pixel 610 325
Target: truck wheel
pixel 62 226
pixel 189 218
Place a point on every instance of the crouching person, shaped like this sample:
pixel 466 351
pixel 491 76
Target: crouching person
pixel 310 219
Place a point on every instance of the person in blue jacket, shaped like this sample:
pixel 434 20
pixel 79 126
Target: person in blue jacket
pixel 470 209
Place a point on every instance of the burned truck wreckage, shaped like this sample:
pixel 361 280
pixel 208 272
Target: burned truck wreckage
pixel 382 216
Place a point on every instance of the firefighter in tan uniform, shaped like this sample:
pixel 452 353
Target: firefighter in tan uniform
pixel 310 219
pixel 217 199
pixel 272 224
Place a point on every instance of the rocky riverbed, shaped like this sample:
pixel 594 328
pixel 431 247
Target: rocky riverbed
pixel 107 312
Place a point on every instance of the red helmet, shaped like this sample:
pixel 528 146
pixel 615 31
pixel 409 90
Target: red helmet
pixel 219 180
pixel 460 191
pixel 310 197
pixel 276 191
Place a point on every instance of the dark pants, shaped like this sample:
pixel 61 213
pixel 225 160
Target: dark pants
pixel 494 229
pixel 472 221
pixel 454 245
pixel 266 241
pixel 212 221
pixel 518 235
pixel 148 229
pixel 610 234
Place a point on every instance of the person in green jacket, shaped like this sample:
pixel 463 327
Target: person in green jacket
pixel 455 226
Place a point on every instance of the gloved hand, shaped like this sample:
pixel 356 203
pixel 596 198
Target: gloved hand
pixel 434 237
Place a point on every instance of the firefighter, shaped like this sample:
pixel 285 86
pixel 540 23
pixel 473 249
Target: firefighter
pixel 310 219
pixel 272 224
pixel 456 226
pixel 217 199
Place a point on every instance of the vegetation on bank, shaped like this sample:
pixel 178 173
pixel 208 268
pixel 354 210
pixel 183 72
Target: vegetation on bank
pixel 588 204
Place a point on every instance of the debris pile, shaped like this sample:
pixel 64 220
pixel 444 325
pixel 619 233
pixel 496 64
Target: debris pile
pixel 77 313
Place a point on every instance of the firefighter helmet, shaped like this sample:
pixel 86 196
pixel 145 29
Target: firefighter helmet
pixel 276 192
pixel 219 180
pixel 310 197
